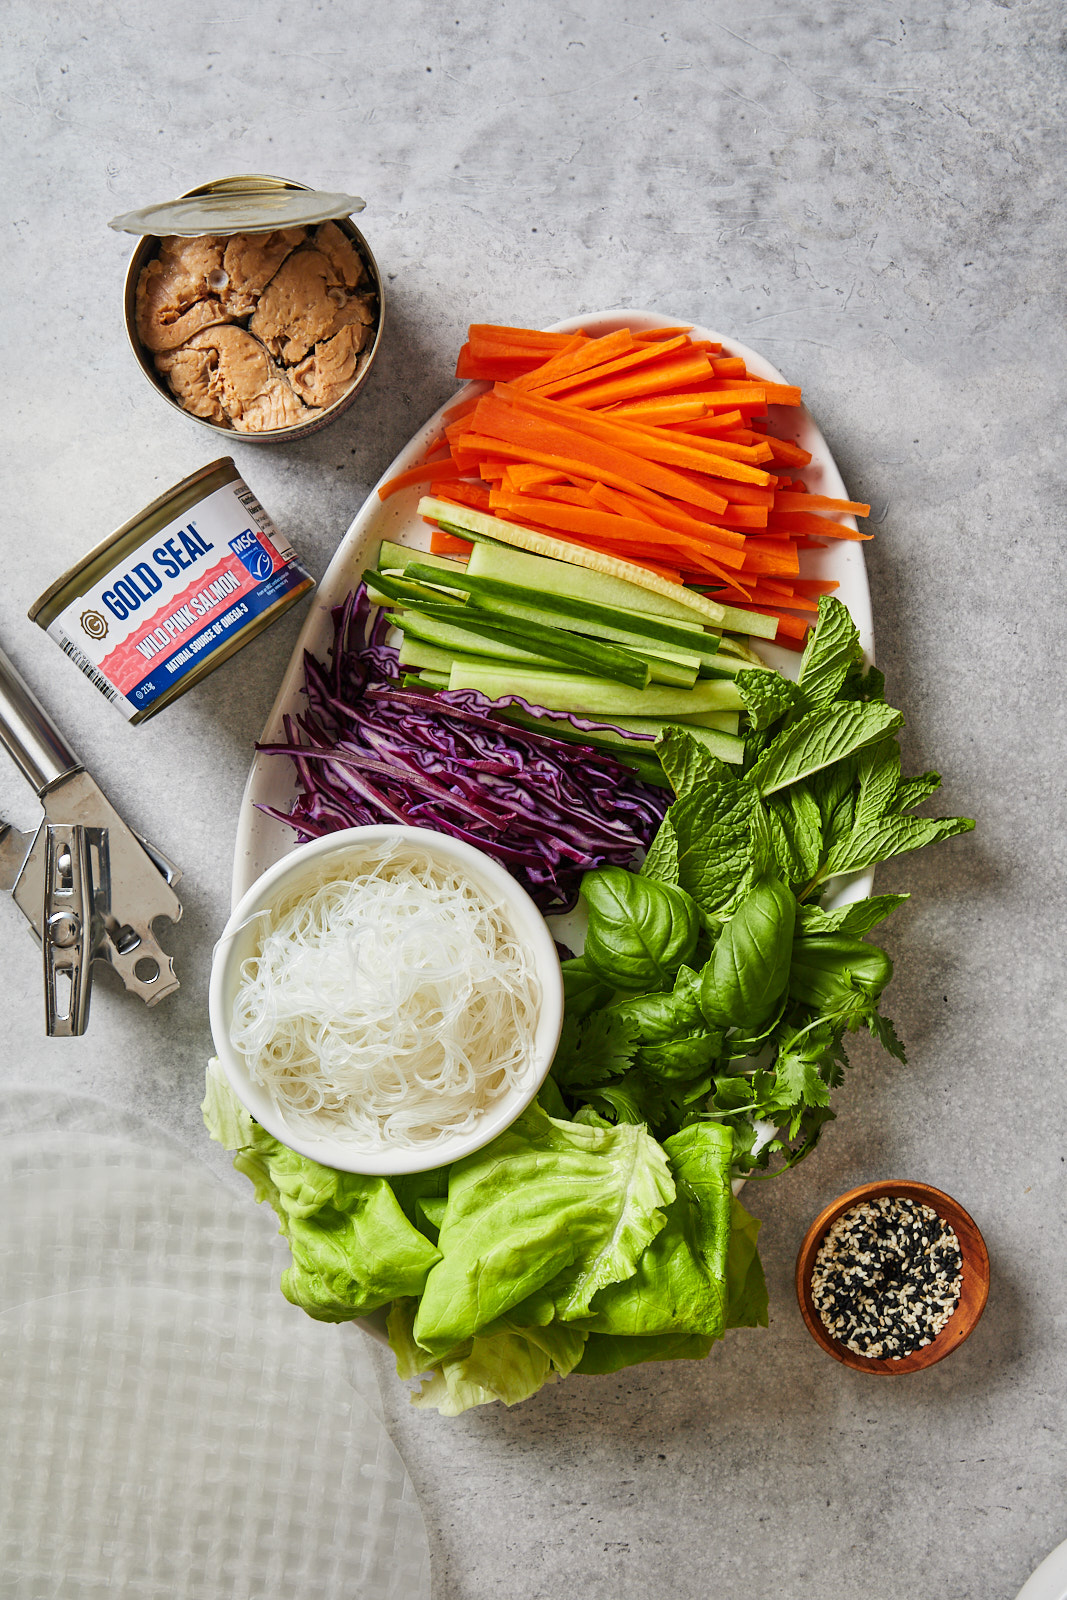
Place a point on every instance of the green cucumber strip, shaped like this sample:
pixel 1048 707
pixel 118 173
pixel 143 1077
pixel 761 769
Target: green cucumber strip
pixel 585 655
pixel 600 581
pixel 401 591
pixel 724 745
pixel 558 691
pixel 577 615
pixel 721 721
pixel 416 653
pixel 738 647
pixel 399 555
pixel 433 680
pixel 442 636
pixel 473 636
pixel 689 625
pixel 596 656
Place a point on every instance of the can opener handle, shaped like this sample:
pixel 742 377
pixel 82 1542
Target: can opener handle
pixel 88 884
pixel 28 733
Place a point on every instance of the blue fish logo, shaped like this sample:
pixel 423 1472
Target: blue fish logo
pixel 253 555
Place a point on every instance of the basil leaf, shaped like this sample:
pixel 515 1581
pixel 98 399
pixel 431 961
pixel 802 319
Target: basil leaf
pixel 583 990
pixel 749 965
pixel 837 974
pixel 640 931
pixel 832 649
pixel 819 739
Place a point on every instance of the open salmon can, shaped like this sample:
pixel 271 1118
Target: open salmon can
pixel 254 305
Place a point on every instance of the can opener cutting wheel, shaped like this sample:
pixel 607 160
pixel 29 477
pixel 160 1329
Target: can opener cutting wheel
pixel 90 887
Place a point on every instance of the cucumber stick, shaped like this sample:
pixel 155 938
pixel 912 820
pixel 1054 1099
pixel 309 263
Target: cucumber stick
pixel 397 556
pixel 455 643
pixel 635 631
pixel 480 635
pixel 606 579
pixel 724 745
pixel 558 691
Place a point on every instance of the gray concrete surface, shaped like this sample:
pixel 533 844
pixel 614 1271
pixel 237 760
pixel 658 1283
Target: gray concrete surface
pixel 868 193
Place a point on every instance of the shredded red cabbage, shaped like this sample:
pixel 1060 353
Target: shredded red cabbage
pixel 368 751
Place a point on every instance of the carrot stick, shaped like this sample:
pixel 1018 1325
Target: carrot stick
pixel 651 379
pixel 461 494
pixel 652 444
pixel 815 586
pixel 729 367
pixel 426 469
pixel 659 409
pixel 788 453
pixel 446 544
pixel 815 526
pixel 521 477
pixel 638 356
pixel 653 335
pixel 725 544
pixel 572 363
pixel 544 443
pixel 490 336
pixel 604 526
pixel 805 501
pixel 462 408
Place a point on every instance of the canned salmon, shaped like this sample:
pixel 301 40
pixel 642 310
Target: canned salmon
pixel 174 593
pixel 254 305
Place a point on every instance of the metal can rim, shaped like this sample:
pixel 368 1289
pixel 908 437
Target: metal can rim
pixel 141 254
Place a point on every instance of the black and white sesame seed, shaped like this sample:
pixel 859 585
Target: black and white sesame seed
pixel 887 1277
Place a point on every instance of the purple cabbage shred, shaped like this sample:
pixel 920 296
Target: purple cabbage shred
pixel 368 751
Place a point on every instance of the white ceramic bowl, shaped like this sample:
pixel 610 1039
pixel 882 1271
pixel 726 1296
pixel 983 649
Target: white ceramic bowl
pixel 239 940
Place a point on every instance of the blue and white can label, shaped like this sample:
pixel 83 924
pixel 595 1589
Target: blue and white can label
pixel 187 593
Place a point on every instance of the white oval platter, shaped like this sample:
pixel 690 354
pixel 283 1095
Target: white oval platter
pixel 261 840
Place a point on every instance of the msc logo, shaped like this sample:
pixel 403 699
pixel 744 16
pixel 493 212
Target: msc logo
pixel 94 624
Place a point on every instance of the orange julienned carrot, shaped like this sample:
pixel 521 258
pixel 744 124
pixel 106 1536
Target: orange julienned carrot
pixel 548 443
pixel 805 501
pixel 573 361
pixel 550 384
pixel 446 544
pixel 654 378
pixel 418 474
pixel 651 444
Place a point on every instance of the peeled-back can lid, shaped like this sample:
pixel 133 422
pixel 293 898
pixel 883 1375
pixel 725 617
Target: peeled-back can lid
pixel 251 204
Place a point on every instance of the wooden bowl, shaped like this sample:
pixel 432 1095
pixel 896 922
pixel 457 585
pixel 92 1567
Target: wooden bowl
pixel 973 1295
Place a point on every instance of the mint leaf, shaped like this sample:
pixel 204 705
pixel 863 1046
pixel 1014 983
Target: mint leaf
pixel 832 649
pixel 719 846
pixel 687 763
pixel 891 836
pixel 768 697
pixel 820 739
pixel 914 791
pixel 855 919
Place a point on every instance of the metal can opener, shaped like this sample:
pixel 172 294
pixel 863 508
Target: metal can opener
pixel 89 885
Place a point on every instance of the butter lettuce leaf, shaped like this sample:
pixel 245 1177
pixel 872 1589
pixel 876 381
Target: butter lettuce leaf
pixel 550 1211
pixel 353 1249
pixel 680 1282
pixel 505 1362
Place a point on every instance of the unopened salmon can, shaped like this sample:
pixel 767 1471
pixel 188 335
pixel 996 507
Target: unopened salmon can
pixel 174 592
